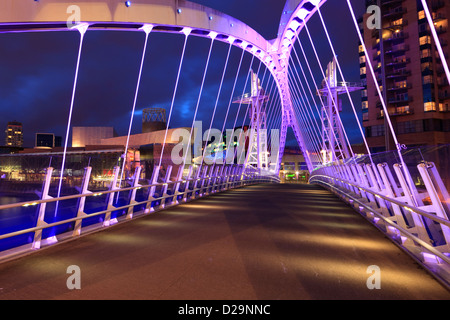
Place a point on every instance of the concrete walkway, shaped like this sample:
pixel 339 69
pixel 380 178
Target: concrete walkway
pixel 260 242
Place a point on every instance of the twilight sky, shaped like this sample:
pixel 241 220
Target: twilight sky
pixel 37 70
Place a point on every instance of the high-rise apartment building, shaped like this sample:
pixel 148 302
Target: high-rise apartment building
pixel 14 134
pixel 409 72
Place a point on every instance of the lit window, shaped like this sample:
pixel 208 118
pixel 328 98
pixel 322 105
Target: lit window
pixel 421 15
pixel 363 70
pixel 398 22
pixel 424 40
pixel 365 105
pixel 429 106
pixel 428 79
pixel 425 53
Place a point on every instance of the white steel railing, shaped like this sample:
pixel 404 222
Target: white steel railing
pixel 416 220
pixel 210 180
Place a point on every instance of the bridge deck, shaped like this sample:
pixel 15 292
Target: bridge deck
pixel 259 242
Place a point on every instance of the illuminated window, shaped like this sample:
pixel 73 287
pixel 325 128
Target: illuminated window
pixel 421 15
pixel 363 70
pixel 401 84
pixel 362 59
pixel 424 40
pixel 365 105
pixel 425 53
pixel 427 79
pixel 402 110
pixel 361 48
pixel 429 106
pixel 398 22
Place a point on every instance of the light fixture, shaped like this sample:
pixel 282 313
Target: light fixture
pixel 127 3
pixel 179 10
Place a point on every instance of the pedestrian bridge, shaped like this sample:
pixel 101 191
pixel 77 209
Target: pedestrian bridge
pixel 363 220
pixel 265 241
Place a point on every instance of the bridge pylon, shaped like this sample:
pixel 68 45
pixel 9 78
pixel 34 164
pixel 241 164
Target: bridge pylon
pixel 257 156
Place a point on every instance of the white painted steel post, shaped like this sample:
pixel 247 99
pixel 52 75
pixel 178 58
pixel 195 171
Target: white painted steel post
pixel 41 215
pixel 107 222
pixel 151 191
pixel 137 174
pixel 80 211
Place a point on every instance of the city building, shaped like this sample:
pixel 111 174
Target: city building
pixel 153 119
pixel 47 140
pixel 88 136
pixel 14 134
pixel 409 72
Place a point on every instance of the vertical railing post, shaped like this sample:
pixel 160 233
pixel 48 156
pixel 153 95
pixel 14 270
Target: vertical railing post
pixel 165 186
pixel 176 187
pixel 151 191
pixel 82 201
pixel 187 183
pixel 215 179
pixel 135 184
pixel 41 215
pixel 108 221
pixel 436 205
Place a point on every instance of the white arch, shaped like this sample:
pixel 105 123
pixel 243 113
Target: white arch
pixel 175 16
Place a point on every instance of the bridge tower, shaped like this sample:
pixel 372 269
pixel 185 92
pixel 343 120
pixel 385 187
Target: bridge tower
pixel 257 153
pixel 333 139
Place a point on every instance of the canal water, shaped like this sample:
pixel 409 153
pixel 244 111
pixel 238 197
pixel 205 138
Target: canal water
pixel 23 217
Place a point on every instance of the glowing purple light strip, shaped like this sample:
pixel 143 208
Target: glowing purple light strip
pixel 329 91
pixel 147 29
pixel 173 96
pixel 316 87
pixel 345 84
pixel 303 116
pixel 240 103
pixel 271 111
pixel 82 29
pixel 436 39
pixel 298 106
pixel 304 97
pixel 217 100
pixel 405 169
pixel 232 91
pixel 309 87
pixel 199 97
pixel 246 112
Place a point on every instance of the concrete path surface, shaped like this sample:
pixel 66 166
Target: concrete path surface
pixel 286 242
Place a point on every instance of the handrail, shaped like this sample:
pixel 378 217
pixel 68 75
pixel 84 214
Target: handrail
pixel 237 179
pixel 75 196
pixel 412 236
pixel 402 204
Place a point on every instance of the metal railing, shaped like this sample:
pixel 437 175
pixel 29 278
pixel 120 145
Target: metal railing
pixel 159 195
pixel 414 216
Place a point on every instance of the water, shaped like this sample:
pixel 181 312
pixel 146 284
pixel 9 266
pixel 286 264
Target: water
pixel 20 218
pixel 16 219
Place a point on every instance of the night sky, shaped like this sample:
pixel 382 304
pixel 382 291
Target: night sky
pixel 37 71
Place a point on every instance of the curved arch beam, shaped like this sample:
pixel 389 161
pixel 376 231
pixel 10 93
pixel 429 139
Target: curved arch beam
pixel 164 15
